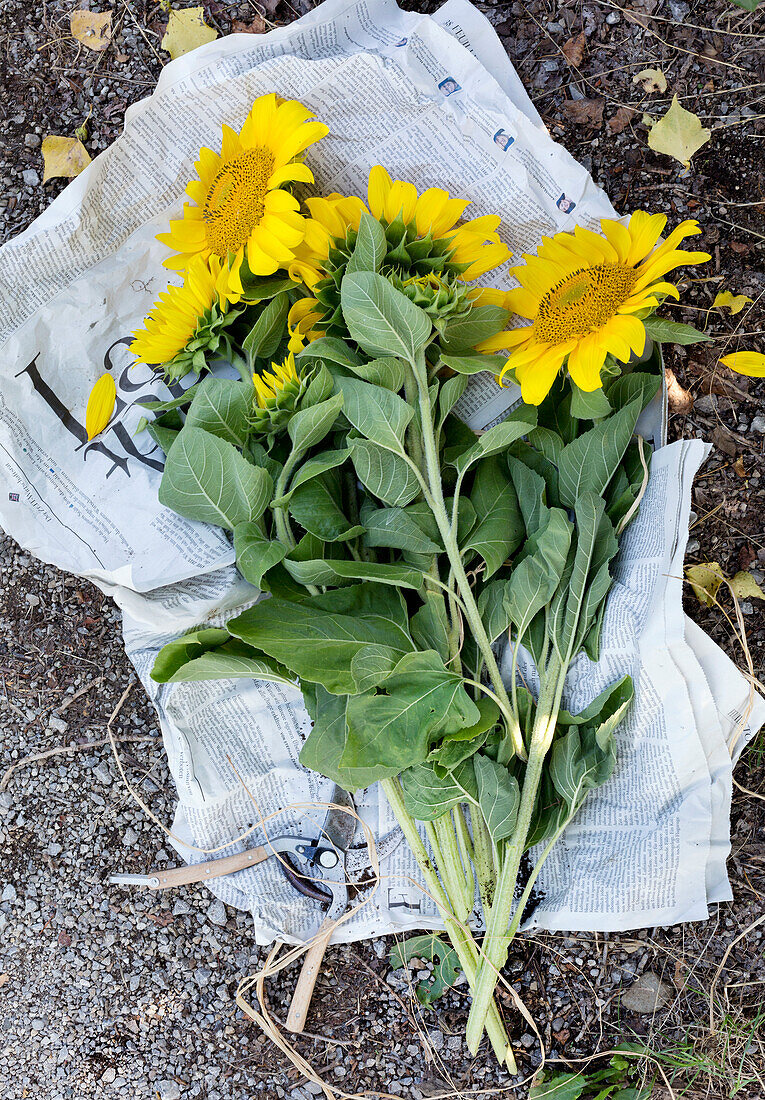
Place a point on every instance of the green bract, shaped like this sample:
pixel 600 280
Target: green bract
pixel 398 547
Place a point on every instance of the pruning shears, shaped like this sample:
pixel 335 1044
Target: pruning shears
pixel 316 867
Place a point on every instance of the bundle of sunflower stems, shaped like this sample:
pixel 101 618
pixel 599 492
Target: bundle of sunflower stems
pixel 398 546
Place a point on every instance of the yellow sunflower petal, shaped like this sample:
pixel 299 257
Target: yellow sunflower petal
pixel 295 172
pixel 378 187
pixel 619 237
pixel 521 301
pixel 653 269
pixel 632 330
pixel 586 362
pixel 644 230
pixel 503 341
pixel 101 402
pixel 750 363
pixel 536 378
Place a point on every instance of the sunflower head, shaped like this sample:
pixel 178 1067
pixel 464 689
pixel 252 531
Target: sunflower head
pixel 277 396
pixel 186 327
pixel 239 206
pixel 440 296
pixel 586 296
pixel 424 248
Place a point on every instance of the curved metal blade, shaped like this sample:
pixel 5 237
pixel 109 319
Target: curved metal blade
pixel 339 826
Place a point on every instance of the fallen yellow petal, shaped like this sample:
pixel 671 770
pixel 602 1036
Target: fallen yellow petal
pixel 101 402
pixel 186 30
pixel 734 302
pixel 63 156
pixel 750 363
pixel 92 28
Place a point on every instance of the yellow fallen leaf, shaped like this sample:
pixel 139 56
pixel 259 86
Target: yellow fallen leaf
pixel 745 587
pixel 101 402
pixel 734 302
pixel 678 134
pixel 185 31
pixel 652 80
pixel 63 156
pixel 750 363
pixel 92 28
pixel 705 579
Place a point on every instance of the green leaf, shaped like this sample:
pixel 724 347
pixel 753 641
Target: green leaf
pixel 387 372
pixel 378 414
pixel 386 475
pixel 530 488
pixel 500 529
pixel 325 743
pixel 449 394
pixel 606 704
pixel 589 462
pixel 498 796
pixel 589 406
pixel 333 572
pixel 393 731
pixel 255 554
pixel 429 625
pixel 632 387
pixel 461 334
pixel 370 248
pixel 163 437
pixel 474 364
pixel 267 333
pixel 371 664
pixel 578 764
pixel 562 1086
pixel 671 332
pixel 316 505
pixel 188 647
pixel 426 796
pixel 394 527
pixel 311 468
pixel 222 407
pixel 309 426
pixel 173 402
pixel 498 438
pixel 456 747
pixel 232 661
pixel 382 320
pixel 329 349
pixel 321 385
pixel 207 479
pixel 595 544
pixel 491 607
pixel 257 287
pixel 319 643
pixel 535 579
pixel 445 959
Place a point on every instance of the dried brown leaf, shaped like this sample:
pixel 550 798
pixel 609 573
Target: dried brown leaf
pixel 680 400
pixel 92 28
pixel 621 119
pixel 585 112
pixel 573 50
pixel 258 25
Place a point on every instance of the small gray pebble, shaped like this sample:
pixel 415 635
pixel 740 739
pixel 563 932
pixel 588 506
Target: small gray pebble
pixel 58 725
pixel 130 838
pixel 9 893
pixel 758 424
pixel 202 976
pixel 30 177
pixel 31 140
pixel 102 773
pixel 181 907
pixel 168 1090
pixel 216 914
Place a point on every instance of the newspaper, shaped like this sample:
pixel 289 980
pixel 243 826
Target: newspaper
pixel 435 100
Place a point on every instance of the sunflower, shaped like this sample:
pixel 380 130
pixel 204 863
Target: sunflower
pixel 186 321
pixel 277 395
pixel 239 206
pixel 585 296
pixel 427 250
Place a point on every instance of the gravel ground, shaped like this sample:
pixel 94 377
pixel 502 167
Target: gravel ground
pixel 107 994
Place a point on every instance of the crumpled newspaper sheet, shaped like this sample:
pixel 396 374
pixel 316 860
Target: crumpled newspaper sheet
pixel 436 101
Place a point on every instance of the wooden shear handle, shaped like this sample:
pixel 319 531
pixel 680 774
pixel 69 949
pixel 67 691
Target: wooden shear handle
pixel 198 872
pixel 301 998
